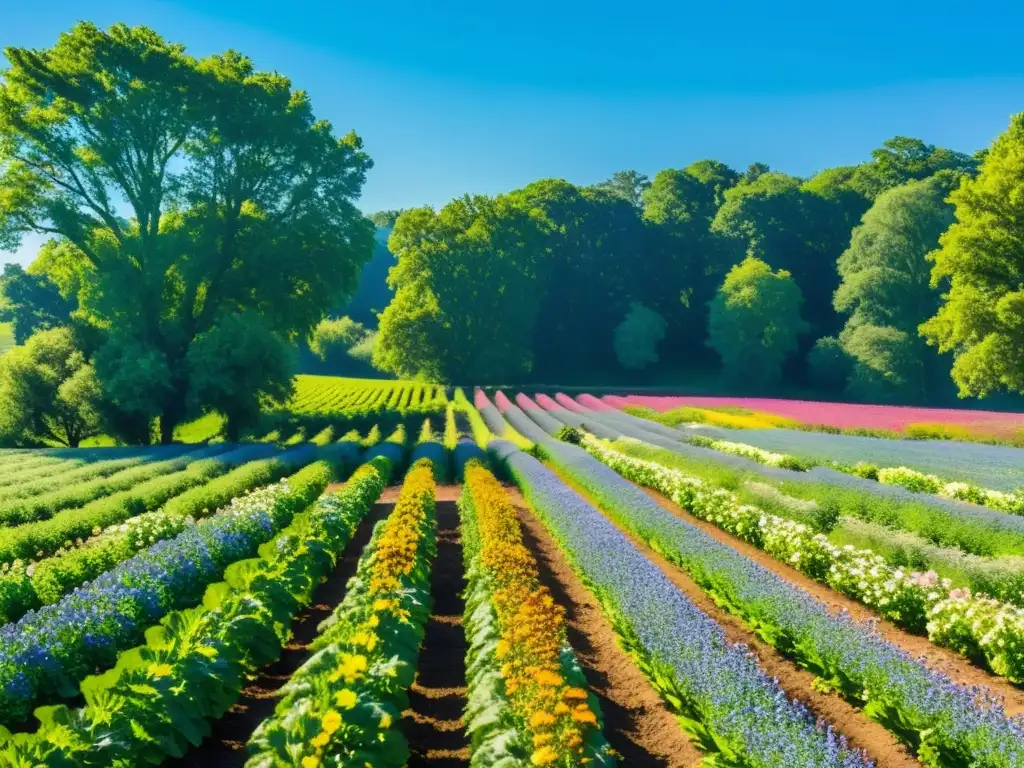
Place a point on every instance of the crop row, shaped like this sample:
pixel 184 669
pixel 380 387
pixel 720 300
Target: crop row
pixel 351 398
pixel 45 654
pixel 67 494
pixel 981 628
pixel 28 586
pixel 43 538
pixel 160 697
pixel 726 702
pixel 904 477
pixel 529 701
pixel 945 522
pixel 943 722
pixel 343 705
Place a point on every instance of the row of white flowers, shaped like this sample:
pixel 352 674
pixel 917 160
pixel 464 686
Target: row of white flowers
pixel 911 479
pixel 983 629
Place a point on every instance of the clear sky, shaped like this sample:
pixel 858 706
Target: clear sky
pixel 455 97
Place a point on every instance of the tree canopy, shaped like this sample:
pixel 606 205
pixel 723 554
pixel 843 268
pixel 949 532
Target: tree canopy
pixel 48 392
pixel 886 290
pixel 755 321
pixel 190 191
pixel 981 317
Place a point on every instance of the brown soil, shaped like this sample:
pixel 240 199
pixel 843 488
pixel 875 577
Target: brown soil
pixel 880 745
pixel 637 723
pixel 952 664
pixel 225 747
pixel 433 723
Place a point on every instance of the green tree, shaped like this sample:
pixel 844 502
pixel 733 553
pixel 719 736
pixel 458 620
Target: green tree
pixel 237 365
pixel 48 392
pixel 629 185
pixel 829 366
pixel 886 291
pixel 236 198
pixel 385 219
pixel 755 322
pixel 902 159
pixel 591 243
pixel 637 337
pixel 334 335
pixel 31 302
pixel 776 219
pixel 981 317
pixel 466 296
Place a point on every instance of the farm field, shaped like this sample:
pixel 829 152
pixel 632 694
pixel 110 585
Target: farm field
pixel 493 578
pixel 889 418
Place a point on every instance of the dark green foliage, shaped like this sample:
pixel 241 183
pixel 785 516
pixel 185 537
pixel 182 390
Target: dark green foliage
pixel 829 365
pixel 31 302
pixel 569 435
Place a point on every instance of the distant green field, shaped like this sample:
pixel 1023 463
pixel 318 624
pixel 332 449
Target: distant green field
pixel 6 337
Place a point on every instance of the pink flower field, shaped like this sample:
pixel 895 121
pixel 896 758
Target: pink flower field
pixel 844 415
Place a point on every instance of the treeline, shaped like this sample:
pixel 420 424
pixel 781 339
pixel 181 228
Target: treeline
pixel 819 282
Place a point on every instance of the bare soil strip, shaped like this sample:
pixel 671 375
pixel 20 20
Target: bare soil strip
pixel 637 722
pixel 862 733
pixel 952 664
pixel 433 723
pixel 225 747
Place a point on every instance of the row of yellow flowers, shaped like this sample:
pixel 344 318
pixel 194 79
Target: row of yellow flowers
pixel 341 707
pixel 536 709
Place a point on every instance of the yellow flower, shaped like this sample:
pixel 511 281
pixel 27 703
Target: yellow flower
pixel 582 714
pixel 544 756
pixel 351 667
pixel 331 722
pixel 320 740
pixel 385 721
pixel 346 698
pixel 545 677
pixel 160 670
pixel 310 762
pixel 541 718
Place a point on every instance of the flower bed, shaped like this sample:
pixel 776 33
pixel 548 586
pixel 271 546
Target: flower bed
pixel 160 697
pixel 919 602
pixel 341 707
pixel 728 704
pixel 529 701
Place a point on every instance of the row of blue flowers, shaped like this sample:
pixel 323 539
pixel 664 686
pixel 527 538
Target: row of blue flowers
pixel 945 723
pixel 45 654
pixel 728 703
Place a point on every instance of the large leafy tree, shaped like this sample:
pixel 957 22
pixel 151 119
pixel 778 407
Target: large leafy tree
pixel 466 297
pixel 190 189
pixel 48 392
pixel 756 322
pixel 776 219
pixel 981 318
pixel 886 290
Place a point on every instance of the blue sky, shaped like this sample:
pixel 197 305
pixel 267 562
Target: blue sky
pixel 454 97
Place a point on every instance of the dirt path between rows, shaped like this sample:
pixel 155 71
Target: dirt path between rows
pixel 951 664
pixel 637 722
pixel 433 723
pixel 880 745
pixel 225 747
